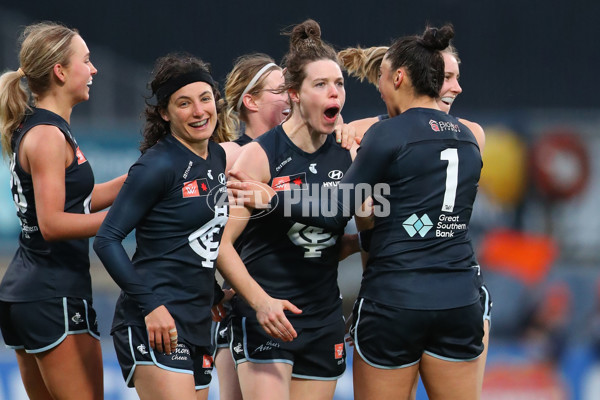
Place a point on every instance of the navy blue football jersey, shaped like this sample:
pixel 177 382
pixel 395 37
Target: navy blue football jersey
pixel 243 139
pixel 288 259
pixel 177 203
pixel 42 269
pixel 424 167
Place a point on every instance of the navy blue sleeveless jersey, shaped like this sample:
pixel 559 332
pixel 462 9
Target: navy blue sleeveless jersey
pixel 290 260
pixel 421 255
pixel 243 139
pixel 41 269
pixel 177 203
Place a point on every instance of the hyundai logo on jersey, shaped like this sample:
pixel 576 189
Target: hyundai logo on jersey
pixel 336 174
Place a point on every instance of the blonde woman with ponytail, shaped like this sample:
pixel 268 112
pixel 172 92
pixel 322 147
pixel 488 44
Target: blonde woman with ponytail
pixel 46 312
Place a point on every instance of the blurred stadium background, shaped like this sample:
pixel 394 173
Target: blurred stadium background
pixel 529 78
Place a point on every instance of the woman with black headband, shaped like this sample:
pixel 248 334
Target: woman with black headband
pixel 173 198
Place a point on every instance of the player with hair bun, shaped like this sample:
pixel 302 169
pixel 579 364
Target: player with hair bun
pixel 288 259
pixel 419 309
pixel 365 64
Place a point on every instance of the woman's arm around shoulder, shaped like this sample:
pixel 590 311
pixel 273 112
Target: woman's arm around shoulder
pixel 269 311
pixel 105 193
pixel 362 125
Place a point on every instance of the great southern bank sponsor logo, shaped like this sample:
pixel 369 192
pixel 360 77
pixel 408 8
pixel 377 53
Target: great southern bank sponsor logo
pixel 414 225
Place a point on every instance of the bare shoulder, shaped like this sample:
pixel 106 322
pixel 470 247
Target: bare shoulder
pixel 43 136
pixel 362 125
pixel 232 151
pixel 254 162
pixel 230 147
pixel 44 146
pixel 477 131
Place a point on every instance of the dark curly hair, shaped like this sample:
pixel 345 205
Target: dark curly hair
pixel 166 68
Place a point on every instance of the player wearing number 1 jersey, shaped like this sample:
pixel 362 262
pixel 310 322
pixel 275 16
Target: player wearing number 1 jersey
pixel 419 308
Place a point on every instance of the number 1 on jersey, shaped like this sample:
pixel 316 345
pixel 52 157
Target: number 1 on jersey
pixel 450 155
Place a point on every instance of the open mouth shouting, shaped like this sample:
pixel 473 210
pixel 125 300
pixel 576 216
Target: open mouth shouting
pixel 331 114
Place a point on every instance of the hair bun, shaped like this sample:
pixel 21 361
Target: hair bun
pixel 305 35
pixel 438 38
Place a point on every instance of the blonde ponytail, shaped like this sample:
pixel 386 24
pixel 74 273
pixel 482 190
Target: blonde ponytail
pixel 363 63
pixel 14 103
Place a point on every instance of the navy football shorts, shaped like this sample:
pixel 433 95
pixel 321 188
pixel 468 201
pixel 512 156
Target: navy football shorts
pixel 133 349
pixel 222 332
pixel 390 337
pixel 38 326
pixel 317 353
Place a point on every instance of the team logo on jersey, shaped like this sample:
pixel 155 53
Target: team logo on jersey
pixel 311 238
pixel 289 182
pixel 142 349
pixel 77 318
pixel 196 188
pixel 339 350
pixel 80 157
pixel 205 241
pixel 223 332
pixel 414 225
pixel 434 125
pixel 335 174
pixel 207 361
pixel 313 168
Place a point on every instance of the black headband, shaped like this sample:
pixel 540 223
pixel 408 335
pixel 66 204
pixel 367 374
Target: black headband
pixel 176 83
